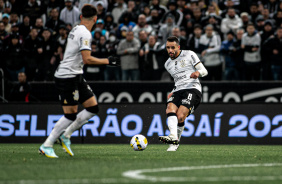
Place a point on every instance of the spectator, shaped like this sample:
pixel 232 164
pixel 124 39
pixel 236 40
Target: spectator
pixel 128 51
pixel 172 10
pixel 254 12
pixel 273 48
pixel 34 10
pixel 272 6
pixel 227 49
pixel 155 4
pixel 54 4
pixel 25 26
pixel 238 54
pixel 46 71
pixel 154 20
pixel 5 20
pixel 39 26
pixel 112 73
pixel 100 26
pixel 182 40
pixel 70 14
pixel 194 40
pixel 197 15
pixel 131 7
pixel 227 5
pixel 151 66
pixel 101 10
pixel 210 46
pixel 125 20
pixel 21 91
pixel 245 20
pixel 54 22
pixel 14 58
pixel 117 11
pixel 109 22
pixel 166 29
pixel 232 22
pixel 213 9
pixel 259 23
pixel 61 40
pixel 14 18
pixel 251 44
pixel 32 51
pixel 278 18
pixel 267 31
pixel 3 32
pixel 142 26
pixel 7 7
pixel 143 38
pixel 215 21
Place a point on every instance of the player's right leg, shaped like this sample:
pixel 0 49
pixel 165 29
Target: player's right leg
pixel 47 147
pixel 172 122
pixel 89 102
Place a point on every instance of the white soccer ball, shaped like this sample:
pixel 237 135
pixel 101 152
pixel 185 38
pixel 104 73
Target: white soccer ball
pixel 138 142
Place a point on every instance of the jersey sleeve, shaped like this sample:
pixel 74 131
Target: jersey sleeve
pixel 194 58
pixel 85 41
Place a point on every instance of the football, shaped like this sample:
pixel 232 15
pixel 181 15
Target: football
pixel 138 142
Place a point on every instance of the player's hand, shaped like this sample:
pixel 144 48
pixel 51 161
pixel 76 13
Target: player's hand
pixel 195 75
pixel 114 61
pixel 169 95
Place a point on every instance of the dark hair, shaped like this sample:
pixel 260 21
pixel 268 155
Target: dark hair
pixel 88 11
pixel 173 39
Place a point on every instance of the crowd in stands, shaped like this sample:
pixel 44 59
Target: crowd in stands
pixel 235 39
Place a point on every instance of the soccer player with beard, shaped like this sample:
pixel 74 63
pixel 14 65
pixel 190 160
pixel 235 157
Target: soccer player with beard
pixel 185 67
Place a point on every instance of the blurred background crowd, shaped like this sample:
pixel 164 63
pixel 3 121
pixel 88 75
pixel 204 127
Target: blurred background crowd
pixel 235 39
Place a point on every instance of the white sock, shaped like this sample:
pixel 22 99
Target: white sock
pixel 58 129
pixel 81 119
pixel 179 131
pixel 172 125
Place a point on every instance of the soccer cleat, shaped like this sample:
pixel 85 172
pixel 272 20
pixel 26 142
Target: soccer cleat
pixel 47 151
pixel 172 147
pixel 168 140
pixel 65 143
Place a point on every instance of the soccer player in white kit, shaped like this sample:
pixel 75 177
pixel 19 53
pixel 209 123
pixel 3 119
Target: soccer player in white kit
pixel 185 67
pixel 71 85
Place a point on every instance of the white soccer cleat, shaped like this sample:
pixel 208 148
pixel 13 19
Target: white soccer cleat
pixel 172 147
pixel 169 139
pixel 47 151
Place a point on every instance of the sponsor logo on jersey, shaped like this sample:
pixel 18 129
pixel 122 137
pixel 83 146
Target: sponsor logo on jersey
pixel 179 78
pixel 185 101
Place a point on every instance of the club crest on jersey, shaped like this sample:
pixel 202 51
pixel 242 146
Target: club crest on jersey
pixel 75 95
pixel 182 63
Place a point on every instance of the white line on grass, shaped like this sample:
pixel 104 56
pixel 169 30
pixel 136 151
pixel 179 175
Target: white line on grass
pixel 137 176
pixel 140 174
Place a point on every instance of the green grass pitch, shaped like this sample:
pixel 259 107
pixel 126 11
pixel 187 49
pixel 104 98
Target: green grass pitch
pixel 108 163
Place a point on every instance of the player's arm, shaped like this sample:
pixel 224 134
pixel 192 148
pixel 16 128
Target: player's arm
pixel 201 71
pixel 90 60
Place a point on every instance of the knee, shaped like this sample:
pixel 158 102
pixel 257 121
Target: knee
pixel 181 117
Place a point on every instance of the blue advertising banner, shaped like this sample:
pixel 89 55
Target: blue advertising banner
pixel 117 123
